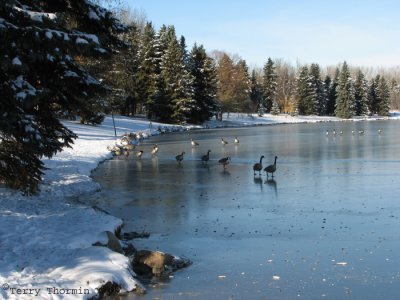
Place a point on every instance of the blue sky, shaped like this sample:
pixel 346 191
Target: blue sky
pixel 363 33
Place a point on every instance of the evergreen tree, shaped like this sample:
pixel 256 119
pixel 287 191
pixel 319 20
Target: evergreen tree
pixel 383 94
pixel 360 94
pixel 275 108
pixel 372 97
pixel 345 94
pixel 256 92
pixel 305 93
pixel 148 85
pixel 203 71
pixel 318 96
pixel 330 90
pixel 41 79
pixel 177 83
pixel 269 85
pixel 185 55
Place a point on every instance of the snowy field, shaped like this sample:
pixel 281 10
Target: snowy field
pixel 46 240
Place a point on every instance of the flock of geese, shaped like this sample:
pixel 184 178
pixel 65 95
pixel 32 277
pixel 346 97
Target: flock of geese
pixel 353 132
pixel 125 145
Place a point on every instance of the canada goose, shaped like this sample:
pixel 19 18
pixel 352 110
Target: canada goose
pixel 126 153
pixel 236 140
pixel 179 157
pixel 154 150
pixel 334 132
pixel 341 132
pixel 352 132
pixel 327 133
pixel 205 158
pixel 139 154
pixel 194 143
pixel 361 132
pixel 224 161
pixel 271 168
pixel 223 142
pixel 258 166
pixel 379 131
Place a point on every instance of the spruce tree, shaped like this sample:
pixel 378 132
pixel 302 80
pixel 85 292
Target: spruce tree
pixel 269 85
pixel 41 79
pixel 383 95
pixel 372 97
pixel 345 94
pixel 318 96
pixel 178 83
pixel 331 95
pixel 203 71
pixel 148 86
pixel 275 108
pixel 360 94
pixel 305 93
pixel 256 91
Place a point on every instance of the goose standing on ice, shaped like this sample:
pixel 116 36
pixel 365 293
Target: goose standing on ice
pixel 179 157
pixel 223 142
pixel 271 168
pixel 236 140
pixel 139 154
pixel 194 143
pixel 206 157
pixel 224 161
pixel 379 131
pixel 258 166
pixel 154 150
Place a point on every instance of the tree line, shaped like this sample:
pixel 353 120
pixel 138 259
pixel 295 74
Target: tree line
pixel 170 84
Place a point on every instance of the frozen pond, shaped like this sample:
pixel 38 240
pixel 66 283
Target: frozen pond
pixel 326 227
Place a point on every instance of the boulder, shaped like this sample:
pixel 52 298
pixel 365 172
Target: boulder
pixel 148 263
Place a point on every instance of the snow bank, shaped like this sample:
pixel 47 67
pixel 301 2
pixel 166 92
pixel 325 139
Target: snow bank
pixel 46 240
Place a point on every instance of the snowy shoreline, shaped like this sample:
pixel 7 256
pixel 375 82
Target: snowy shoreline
pixel 47 239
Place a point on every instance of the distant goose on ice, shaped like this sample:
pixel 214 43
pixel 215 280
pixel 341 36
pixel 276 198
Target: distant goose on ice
pixel 258 166
pixel 139 154
pixel 327 133
pixel 379 131
pixel 352 132
pixel 206 157
pixel 334 132
pixel 361 132
pixel 224 161
pixel 236 140
pixel 223 142
pixel 154 150
pixel 341 132
pixel 179 157
pixel 194 143
pixel 271 168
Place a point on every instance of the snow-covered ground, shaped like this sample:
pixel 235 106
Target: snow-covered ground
pixel 46 240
